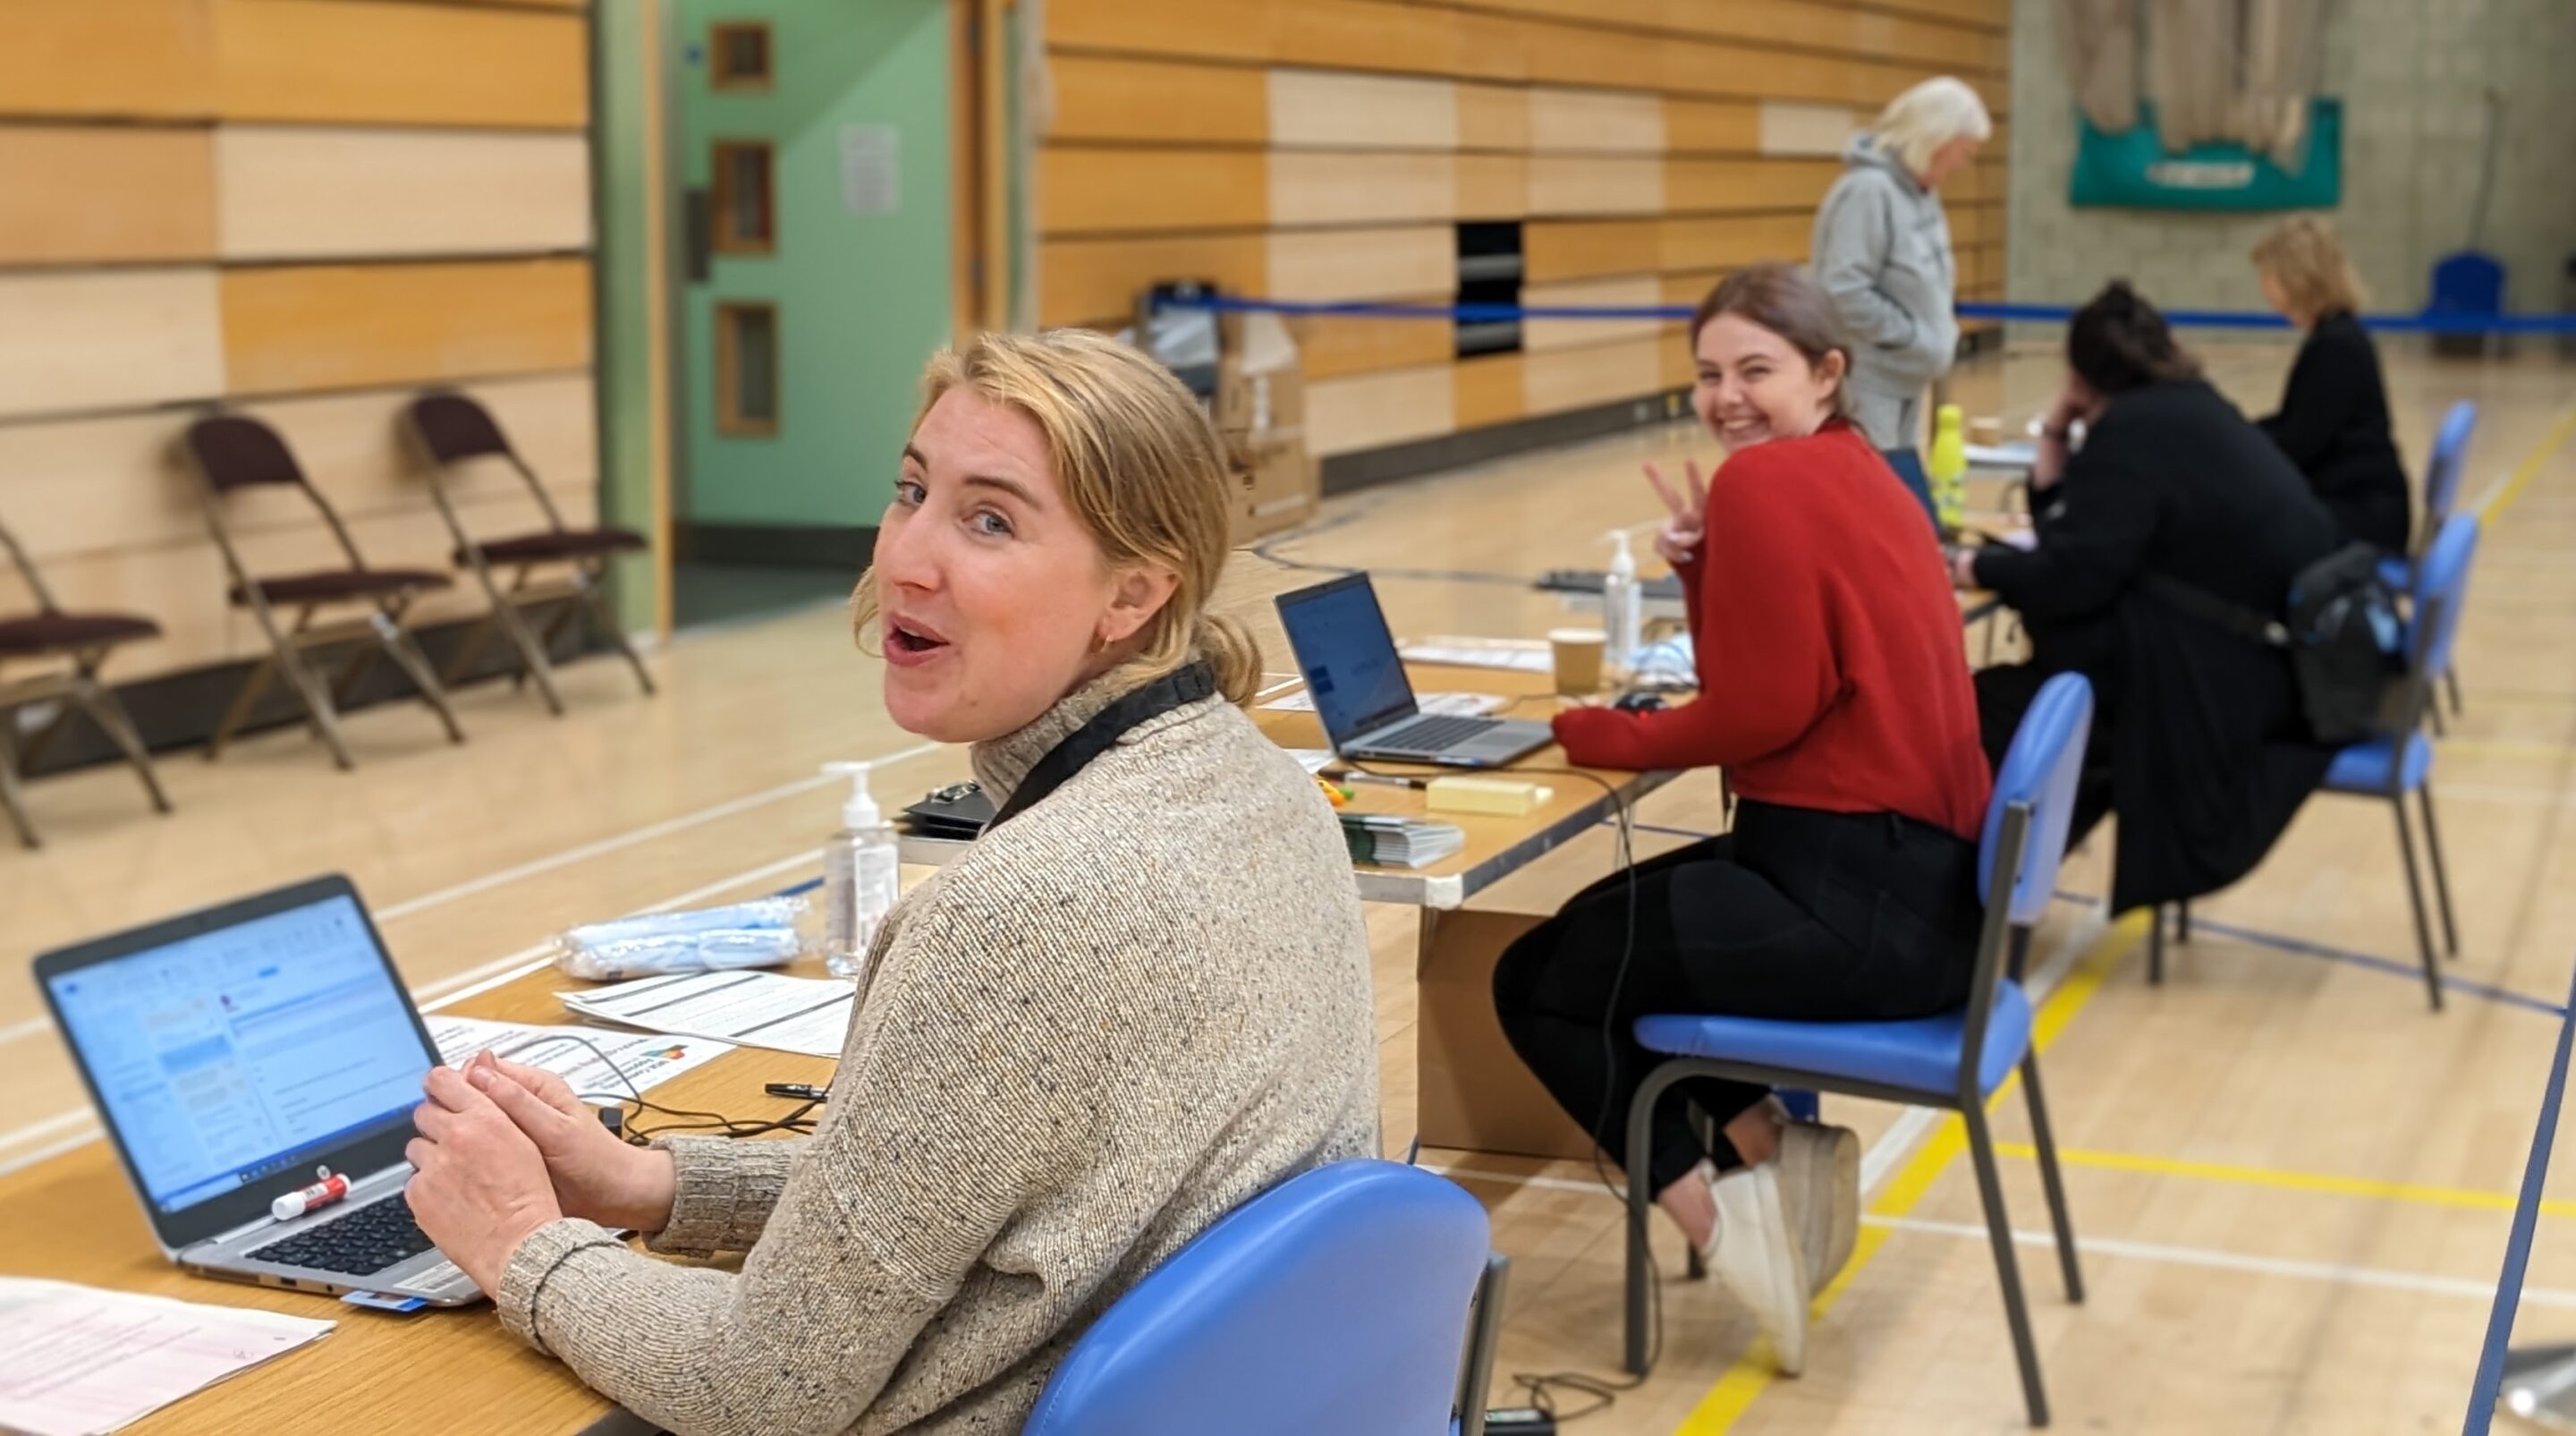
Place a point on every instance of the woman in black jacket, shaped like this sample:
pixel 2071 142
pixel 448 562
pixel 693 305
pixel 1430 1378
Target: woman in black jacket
pixel 2333 422
pixel 2198 741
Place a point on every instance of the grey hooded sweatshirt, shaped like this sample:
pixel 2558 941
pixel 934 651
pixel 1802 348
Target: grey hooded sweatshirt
pixel 1882 251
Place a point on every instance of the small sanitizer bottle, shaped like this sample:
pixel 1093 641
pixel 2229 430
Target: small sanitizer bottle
pixel 862 877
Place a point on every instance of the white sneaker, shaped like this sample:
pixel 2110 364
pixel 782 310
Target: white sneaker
pixel 1820 1191
pixel 1760 1261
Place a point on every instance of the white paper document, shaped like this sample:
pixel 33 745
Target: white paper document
pixel 643 1058
pixel 1517 655
pixel 1313 760
pixel 75 1360
pixel 752 1009
pixel 1437 705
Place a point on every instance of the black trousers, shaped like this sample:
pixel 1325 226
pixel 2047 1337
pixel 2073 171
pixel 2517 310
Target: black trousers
pixel 1797 914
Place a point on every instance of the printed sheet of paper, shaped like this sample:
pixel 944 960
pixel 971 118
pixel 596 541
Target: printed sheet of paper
pixel 751 1009
pixel 75 1360
pixel 1516 655
pixel 1437 705
pixel 645 1058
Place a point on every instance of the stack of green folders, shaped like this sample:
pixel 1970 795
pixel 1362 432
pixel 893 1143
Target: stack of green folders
pixel 1384 840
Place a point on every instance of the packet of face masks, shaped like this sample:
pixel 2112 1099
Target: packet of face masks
pixel 760 933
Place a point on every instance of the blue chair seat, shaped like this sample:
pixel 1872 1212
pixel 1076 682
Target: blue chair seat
pixel 2397 573
pixel 1920 1055
pixel 2364 767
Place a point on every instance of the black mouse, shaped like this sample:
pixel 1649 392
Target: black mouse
pixel 1638 702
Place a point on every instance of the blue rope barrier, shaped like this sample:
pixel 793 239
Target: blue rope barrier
pixel 2007 313
pixel 2517 1248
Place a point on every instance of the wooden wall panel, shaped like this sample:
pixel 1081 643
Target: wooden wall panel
pixel 1726 127
pixel 80 195
pixel 332 62
pixel 1540 336
pixel 1580 378
pixel 1084 281
pixel 1311 188
pixel 1332 346
pixel 1366 35
pixel 1595 122
pixel 325 193
pixel 1731 242
pixel 1363 263
pixel 1588 249
pixel 1490 391
pixel 1131 191
pixel 293 329
pixel 80 486
pixel 1223 29
pixel 1099 98
pixel 1705 186
pixel 138 58
pixel 1372 411
pixel 1493 186
pixel 1790 128
pixel 1594 185
pixel 1331 110
pixel 1492 47
pixel 1493 117
pixel 182 589
pixel 71 342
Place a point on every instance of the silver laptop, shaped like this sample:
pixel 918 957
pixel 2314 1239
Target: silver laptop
pixel 1348 657
pixel 248 1051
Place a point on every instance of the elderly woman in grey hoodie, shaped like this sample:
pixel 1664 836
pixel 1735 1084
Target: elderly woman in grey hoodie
pixel 1882 251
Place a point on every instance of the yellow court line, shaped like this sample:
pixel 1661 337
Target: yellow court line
pixel 2528 469
pixel 1753 1372
pixel 2456 1197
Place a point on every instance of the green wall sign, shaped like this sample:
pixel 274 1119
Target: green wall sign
pixel 2132 171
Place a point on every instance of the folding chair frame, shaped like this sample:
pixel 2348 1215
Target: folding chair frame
pixel 76 688
pixel 2001 935
pixel 381 630
pixel 582 593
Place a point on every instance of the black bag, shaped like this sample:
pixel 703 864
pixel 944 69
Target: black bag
pixel 2345 636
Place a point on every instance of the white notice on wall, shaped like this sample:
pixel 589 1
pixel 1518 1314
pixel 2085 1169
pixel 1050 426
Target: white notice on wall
pixel 870 181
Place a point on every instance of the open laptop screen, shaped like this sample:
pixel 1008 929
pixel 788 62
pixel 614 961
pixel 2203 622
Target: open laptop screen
pixel 1347 655
pixel 234 1055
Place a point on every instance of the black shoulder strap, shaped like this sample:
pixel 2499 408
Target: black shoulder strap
pixel 1177 689
pixel 2235 617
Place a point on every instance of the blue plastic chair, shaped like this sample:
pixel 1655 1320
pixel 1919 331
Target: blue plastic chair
pixel 2442 474
pixel 1954 1061
pixel 2398 763
pixel 1336 1301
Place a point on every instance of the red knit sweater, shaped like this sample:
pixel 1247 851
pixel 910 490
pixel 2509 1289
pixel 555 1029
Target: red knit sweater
pixel 1833 673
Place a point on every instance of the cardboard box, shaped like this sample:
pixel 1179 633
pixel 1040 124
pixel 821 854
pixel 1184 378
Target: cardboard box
pixel 1475 1093
pixel 1261 408
pixel 1282 487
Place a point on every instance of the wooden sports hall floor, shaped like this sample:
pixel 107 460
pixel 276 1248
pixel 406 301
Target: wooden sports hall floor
pixel 2291 1181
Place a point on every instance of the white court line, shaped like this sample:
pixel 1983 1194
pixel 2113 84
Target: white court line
pixel 2332 1273
pixel 569 856
pixel 453 990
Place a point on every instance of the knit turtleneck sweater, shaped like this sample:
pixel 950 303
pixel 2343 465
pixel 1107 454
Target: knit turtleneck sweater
pixel 1119 1015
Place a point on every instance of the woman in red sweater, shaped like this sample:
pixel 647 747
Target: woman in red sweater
pixel 1834 691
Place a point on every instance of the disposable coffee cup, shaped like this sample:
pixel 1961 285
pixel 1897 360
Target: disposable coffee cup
pixel 1578 660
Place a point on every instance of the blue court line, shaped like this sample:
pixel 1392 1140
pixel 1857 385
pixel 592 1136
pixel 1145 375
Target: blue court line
pixel 2517 1248
pixel 2010 313
pixel 799 889
pixel 2300 946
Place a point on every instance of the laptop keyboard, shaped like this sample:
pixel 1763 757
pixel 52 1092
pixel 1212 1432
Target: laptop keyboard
pixel 362 1243
pixel 1426 735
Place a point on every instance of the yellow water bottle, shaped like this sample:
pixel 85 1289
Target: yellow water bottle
pixel 1946 467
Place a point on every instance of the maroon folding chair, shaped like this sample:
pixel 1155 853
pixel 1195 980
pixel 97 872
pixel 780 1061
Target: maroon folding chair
pixel 453 429
pixel 234 452
pixel 73 646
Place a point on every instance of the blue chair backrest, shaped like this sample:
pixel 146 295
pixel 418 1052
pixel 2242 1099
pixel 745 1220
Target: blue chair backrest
pixel 2450 460
pixel 2040 770
pixel 1908 467
pixel 1335 1301
pixel 2442 589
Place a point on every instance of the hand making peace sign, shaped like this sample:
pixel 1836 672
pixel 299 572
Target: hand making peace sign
pixel 1680 537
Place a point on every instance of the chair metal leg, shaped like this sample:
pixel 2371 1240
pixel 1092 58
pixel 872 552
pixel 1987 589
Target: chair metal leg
pixel 2182 921
pixel 2415 899
pixel 318 709
pixel 1694 1266
pixel 1981 1145
pixel 12 796
pixel 34 748
pixel 1483 1339
pixel 2441 878
pixel 103 708
pixel 252 690
pixel 477 638
pixel 2156 947
pixel 397 643
pixel 2451 681
pixel 606 620
pixel 532 655
pixel 1641 1121
pixel 2046 1144
pixel 345 689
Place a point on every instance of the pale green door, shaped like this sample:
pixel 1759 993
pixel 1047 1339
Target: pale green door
pixel 812 141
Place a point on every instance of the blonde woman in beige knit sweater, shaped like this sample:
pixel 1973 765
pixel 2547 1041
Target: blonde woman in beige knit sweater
pixel 1134 1003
